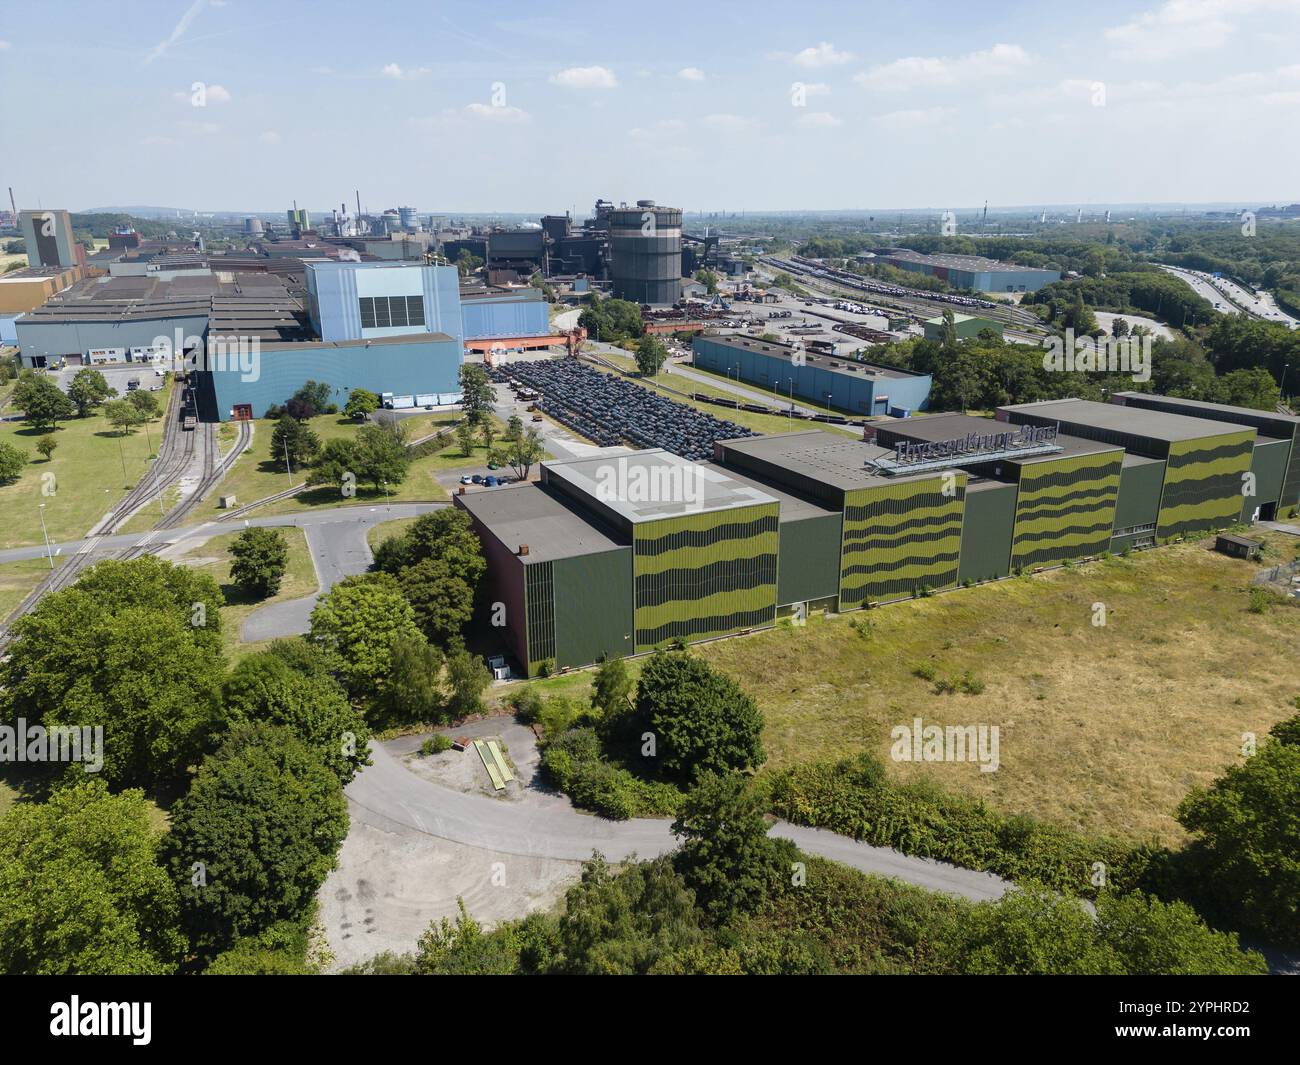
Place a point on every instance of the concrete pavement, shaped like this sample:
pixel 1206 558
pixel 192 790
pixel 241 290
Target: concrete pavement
pixel 387 795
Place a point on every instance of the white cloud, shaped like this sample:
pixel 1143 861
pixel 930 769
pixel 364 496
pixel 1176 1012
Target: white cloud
pixel 917 72
pixel 4 46
pixel 691 74
pixel 490 113
pixel 585 78
pixel 1178 27
pixel 820 120
pixel 665 127
pixel 729 123
pixel 218 94
pixel 824 54
pixel 913 119
pixel 178 31
pixel 393 70
pixel 269 136
pixel 812 88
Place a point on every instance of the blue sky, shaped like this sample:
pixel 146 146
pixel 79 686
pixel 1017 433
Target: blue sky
pixel 530 107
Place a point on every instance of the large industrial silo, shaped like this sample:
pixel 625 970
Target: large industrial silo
pixel 645 248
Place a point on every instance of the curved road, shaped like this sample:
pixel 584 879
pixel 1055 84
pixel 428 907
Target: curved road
pixel 388 794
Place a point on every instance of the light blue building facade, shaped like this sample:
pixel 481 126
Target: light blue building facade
pixel 519 313
pixel 366 301
pixel 842 384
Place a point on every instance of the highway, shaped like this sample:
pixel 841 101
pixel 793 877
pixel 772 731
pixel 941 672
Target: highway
pixel 1228 297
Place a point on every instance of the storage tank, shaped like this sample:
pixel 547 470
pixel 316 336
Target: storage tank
pixel 645 246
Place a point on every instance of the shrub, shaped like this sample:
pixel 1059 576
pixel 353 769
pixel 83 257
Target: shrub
pixel 436 744
pixel 925 670
pixel 527 705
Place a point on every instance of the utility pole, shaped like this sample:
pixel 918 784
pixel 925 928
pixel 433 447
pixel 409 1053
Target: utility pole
pixel 49 554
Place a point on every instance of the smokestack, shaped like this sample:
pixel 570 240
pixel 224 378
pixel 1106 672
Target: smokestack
pixel 358 191
pixel 12 206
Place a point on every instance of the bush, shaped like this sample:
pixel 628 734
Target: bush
pixel 852 797
pixel 573 761
pixel 926 671
pixel 436 744
pixel 527 705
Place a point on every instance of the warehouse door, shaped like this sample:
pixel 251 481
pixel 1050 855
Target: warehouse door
pixel 243 412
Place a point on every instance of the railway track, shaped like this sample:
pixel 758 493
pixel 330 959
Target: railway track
pixel 175 455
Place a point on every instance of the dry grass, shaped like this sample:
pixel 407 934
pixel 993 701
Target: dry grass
pixel 1102 729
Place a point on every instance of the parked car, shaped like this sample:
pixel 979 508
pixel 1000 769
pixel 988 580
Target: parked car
pixel 476 479
pixel 490 482
pixel 466 479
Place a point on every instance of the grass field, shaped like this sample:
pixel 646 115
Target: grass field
pixel 1102 729
pixel 777 399
pixel 213 558
pixel 760 423
pixel 256 474
pixel 86 477
pixel 19 578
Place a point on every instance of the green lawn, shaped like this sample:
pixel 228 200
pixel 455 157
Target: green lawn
pixel 79 485
pixel 19 578
pixel 1103 729
pixel 761 423
pixel 257 474
pixel 213 558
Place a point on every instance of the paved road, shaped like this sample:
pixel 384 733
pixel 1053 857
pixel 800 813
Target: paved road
pixel 364 516
pixel 338 549
pixel 388 794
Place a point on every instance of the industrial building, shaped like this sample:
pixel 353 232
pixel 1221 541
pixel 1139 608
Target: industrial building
pixel 49 240
pixel 970 271
pixel 616 555
pixel 827 380
pixel 366 301
pixel 519 312
pixel 964 325
pixel 645 247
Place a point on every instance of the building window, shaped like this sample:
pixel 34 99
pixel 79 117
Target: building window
pixel 385 312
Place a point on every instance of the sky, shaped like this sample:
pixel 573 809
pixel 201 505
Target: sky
pixel 248 105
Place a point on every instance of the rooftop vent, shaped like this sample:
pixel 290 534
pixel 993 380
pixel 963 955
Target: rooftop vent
pixel 523 550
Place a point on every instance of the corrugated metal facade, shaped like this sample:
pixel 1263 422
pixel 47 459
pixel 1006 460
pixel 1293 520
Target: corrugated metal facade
pixel 1065 508
pixel 988 524
pixel 1203 483
pixel 808 566
pixel 707 574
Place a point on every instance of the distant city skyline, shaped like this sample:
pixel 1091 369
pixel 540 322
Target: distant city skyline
pixel 229 107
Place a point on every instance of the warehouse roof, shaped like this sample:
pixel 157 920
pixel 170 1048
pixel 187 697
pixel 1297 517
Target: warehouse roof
pixel 550 525
pixel 647 485
pixel 1135 421
pixel 952 426
pixel 1193 405
pixel 975 263
pixel 817 456
pixel 793 507
pixel 834 363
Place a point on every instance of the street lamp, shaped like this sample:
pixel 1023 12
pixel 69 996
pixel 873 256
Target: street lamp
pixel 49 554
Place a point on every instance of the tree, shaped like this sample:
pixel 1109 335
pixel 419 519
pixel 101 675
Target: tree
pixel 123 415
pixel 465 438
pixel 701 719
pixel 726 855
pixel 1154 938
pixel 259 559
pixel 477 394
pixel 265 688
pixel 12 461
pixel 88 390
pixel 311 399
pixel 708 279
pixel 650 355
pixel 487 433
pixel 617 924
pixel 1033 931
pixel 146 403
pixel 293 441
pixel 522 453
pixel 357 621
pixel 414 690
pixel 1247 825
pixel 42 401
pixel 443 600
pixel 361 404
pixel 611 688
pixel 514 428
pixel 134 648
pixel 468 678
pixel 443 535
pixel 377 456
pixel 464 949
pixel 254 837
pixel 46 445
pixel 81 892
